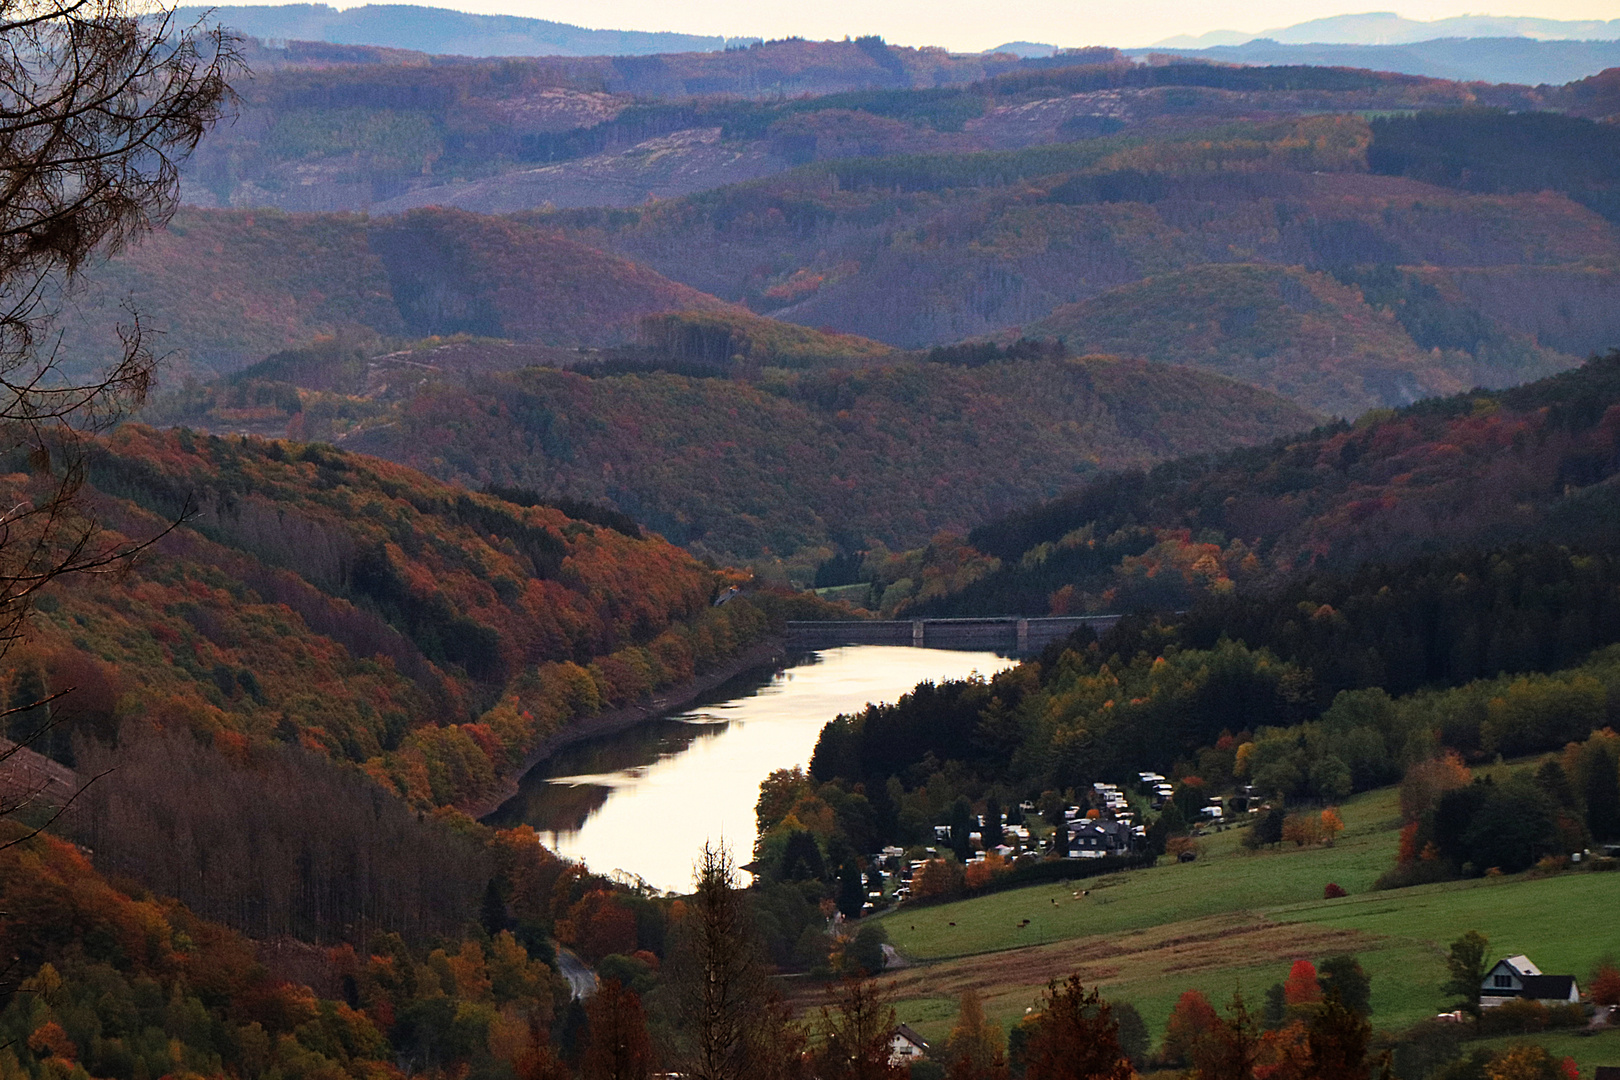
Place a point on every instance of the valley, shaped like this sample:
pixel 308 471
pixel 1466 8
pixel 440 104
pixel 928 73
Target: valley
pixel 430 440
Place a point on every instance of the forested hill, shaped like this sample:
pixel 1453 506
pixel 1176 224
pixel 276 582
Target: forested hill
pixel 228 288
pixel 354 128
pixel 1291 331
pixel 1344 264
pixel 424 634
pixel 1537 462
pixel 778 469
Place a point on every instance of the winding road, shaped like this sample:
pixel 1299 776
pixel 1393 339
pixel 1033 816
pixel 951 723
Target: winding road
pixel 581 979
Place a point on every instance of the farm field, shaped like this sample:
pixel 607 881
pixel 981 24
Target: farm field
pixel 1236 920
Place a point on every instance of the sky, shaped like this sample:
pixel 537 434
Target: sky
pixel 971 25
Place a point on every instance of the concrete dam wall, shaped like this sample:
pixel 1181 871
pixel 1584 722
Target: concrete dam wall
pixel 1010 635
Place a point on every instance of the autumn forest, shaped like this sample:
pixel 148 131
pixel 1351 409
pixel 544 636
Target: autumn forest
pixel 384 430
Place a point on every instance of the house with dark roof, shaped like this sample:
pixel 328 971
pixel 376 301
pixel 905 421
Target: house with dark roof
pixel 1094 838
pixel 1516 977
pixel 906 1046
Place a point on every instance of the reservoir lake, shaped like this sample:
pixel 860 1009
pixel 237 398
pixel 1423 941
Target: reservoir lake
pixel 644 801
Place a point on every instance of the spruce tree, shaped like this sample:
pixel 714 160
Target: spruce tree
pixel 1552 779
pixel 961 826
pixel 492 912
pixel 1345 976
pixel 851 890
pixel 27 692
pixel 801 859
pixel 1601 788
pixel 1466 965
pixel 1275 1013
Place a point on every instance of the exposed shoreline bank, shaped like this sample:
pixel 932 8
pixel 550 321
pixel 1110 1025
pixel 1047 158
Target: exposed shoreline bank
pixel 609 722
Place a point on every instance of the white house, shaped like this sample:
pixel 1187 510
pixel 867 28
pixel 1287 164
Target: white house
pixel 1516 977
pixel 906 1046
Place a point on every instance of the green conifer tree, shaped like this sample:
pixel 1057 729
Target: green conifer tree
pixel 851 890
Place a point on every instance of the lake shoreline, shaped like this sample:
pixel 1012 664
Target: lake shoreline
pixel 771 652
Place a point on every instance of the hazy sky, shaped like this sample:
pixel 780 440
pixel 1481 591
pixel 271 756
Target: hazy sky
pixel 979 24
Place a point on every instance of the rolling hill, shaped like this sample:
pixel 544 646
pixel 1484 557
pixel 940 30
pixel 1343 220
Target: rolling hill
pixel 390 131
pixel 1388 28
pixel 764 463
pixel 425 635
pixel 1473 471
pixel 912 222
pixel 1238 919
pixel 1493 58
pixel 1300 334
pixel 924 250
pixel 228 288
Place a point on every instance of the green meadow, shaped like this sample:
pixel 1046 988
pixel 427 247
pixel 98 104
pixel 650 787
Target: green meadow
pixel 1236 920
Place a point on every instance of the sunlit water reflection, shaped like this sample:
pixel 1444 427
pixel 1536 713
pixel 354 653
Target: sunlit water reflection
pixel 644 801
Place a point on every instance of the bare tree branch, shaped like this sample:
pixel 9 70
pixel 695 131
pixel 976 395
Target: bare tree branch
pixel 100 101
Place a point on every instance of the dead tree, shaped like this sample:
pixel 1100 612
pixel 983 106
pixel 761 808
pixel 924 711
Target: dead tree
pixel 721 982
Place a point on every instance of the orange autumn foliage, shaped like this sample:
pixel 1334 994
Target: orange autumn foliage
pixel 979 874
pixel 360 610
pixel 49 1040
pixel 598 925
pixel 1191 1021
pixel 1301 987
pixel 1605 987
pixel 938 878
pixel 1426 781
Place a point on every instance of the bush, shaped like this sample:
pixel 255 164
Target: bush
pixel 1302 829
pixel 1333 892
pixel 1604 988
pixel 1415 872
pixel 631 972
pixel 866 951
pixel 1427 1048
pixel 1267 829
pixel 1068 869
pixel 1177 846
pixel 1516 1017
pixel 1566 1016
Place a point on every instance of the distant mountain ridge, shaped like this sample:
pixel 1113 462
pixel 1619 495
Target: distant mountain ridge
pixel 1503 59
pixel 443 31
pixel 1388 28
pixel 446 32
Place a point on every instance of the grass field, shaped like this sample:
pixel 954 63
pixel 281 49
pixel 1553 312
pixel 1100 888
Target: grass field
pixel 1236 919
pixel 1589 1051
pixel 1225 878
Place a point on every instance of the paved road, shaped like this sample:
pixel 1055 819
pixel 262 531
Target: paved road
pixel 581 979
